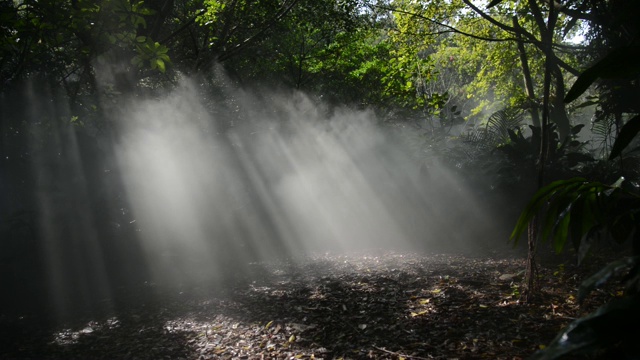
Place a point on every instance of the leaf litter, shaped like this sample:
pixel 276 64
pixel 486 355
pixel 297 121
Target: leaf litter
pixel 382 305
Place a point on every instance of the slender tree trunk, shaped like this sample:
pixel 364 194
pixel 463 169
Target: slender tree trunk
pixel 533 231
pixel 528 81
pixel 558 111
pixel 531 270
pixel 300 63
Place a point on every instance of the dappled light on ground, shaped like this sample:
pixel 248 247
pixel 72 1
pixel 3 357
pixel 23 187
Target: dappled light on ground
pixel 175 196
pixel 374 305
pixel 67 337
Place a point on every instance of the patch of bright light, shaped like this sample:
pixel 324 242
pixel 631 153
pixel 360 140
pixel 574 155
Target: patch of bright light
pixel 72 336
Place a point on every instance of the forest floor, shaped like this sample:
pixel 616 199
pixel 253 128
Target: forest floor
pixel 383 305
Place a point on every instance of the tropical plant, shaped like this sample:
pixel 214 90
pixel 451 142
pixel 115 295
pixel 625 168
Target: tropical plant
pixel 578 210
pixel 508 149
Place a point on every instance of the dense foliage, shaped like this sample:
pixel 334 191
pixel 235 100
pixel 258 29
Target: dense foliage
pixel 581 211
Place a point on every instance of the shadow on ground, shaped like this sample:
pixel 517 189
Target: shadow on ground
pixel 378 305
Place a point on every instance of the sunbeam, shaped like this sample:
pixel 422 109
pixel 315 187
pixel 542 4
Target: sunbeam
pixel 292 180
pixel 71 246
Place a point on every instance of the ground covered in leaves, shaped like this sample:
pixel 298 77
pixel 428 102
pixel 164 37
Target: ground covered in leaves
pixel 377 305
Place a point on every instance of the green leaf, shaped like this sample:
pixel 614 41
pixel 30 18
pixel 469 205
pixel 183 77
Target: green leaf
pixel 138 21
pixel 556 220
pixel 578 220
pixel 160 65
pixel 602 276
pixel 590 224
pixel 576 129
pixel 552 217
pixel 538 201
pixel 620 63
pixel 627 133
pixel 137 60
pixel 161 49
pixel 618 183
pixel 562 230
pixel 611 323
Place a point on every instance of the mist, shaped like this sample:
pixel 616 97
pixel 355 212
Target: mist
pixel 295 178
pixel 186 193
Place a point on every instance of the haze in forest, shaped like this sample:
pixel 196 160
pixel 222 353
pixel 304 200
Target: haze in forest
pixel 157 153
pixel 202 199
pixel 296 178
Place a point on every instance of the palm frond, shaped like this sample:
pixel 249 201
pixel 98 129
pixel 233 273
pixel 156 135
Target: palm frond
pixel 502 121
pixel 603 130
pixel 496 130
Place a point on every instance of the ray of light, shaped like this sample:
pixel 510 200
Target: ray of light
pixel 290 181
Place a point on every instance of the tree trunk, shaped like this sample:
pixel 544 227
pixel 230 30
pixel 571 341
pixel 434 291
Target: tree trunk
pixel 533 233
pixel 526 72
pixel 531 270
pixel 558 111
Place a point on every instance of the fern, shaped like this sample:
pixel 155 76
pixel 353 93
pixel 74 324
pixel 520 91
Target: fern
pixel 504 120
pixel 496 130
pixel 603 130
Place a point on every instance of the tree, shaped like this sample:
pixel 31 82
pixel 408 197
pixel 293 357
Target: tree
pixel 580 210
pixel 506 30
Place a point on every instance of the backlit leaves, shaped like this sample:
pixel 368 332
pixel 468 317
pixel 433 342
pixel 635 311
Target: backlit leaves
pixel 152 54
pixel 211 10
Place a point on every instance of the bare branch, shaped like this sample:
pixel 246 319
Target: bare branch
pixel 540 44
pixel 452 29
pixel 495 22
pixel 576 14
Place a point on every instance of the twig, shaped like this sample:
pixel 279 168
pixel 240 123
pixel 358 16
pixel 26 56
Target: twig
pixel 399 354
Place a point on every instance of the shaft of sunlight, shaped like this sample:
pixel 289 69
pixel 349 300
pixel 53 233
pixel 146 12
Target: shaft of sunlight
pixel 70 246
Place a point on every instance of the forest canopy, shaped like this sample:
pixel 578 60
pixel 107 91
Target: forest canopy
pixel 401 54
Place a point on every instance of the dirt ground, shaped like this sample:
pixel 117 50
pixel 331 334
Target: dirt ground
pixel 378 305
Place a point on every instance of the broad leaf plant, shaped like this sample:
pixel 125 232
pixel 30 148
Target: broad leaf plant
pixel 580 210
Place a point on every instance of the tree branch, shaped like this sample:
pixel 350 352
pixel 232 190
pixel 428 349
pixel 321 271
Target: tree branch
pixel 264 29
pixel 495 22
pixel 452 29
pixel 540 44
pixel 537 15
pixel 517 32
pixel 574 13
pixel 182 28
pixel 528 81
pixel 506 28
